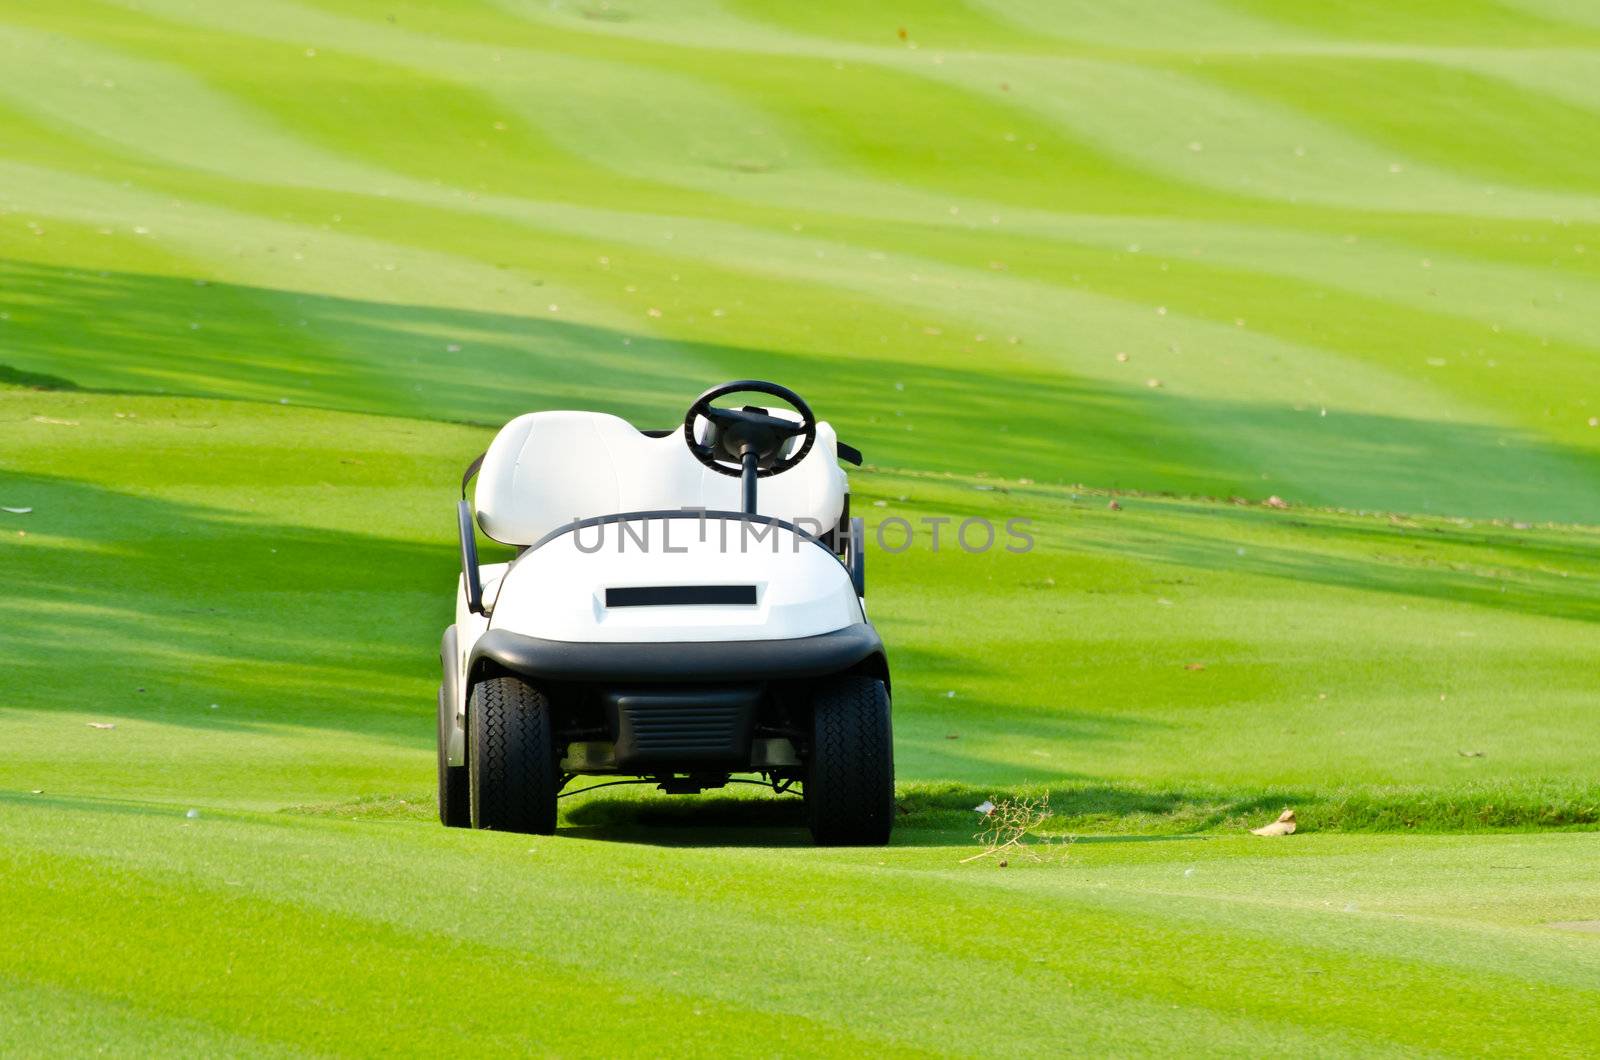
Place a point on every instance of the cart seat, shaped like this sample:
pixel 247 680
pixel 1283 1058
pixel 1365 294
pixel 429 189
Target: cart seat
pixel 546 469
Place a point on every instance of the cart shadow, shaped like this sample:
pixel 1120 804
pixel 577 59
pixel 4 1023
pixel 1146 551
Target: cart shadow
pixel 728 821
pixel 716 822
pixel 932 815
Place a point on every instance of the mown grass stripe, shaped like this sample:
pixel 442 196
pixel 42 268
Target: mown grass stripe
pixel 1506 25
pixel 1448 116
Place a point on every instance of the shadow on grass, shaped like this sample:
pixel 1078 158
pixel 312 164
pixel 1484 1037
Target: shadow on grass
pixel 719 820
pixel 1055 716
pixel 1131 811
pixel 926 815
pixel 159 334
pixel 45 802
pixel 10 376
pixel 944 815
pixel 178 605
pixel 1523 574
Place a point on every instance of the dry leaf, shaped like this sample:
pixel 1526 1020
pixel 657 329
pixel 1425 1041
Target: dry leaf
pixel 102 725
pixel 1470 754
pixel 58 423
pixel 1194 666
pixel 1284 825
pixel 1275 501
pixel 1114 506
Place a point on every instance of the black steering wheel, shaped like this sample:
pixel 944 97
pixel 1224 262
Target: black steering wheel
pixel 749 430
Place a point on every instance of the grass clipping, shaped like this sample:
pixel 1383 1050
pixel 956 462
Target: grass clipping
pixel 1011 830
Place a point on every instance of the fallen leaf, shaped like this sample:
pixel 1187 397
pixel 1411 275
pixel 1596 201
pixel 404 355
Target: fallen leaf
pixel 58 423
pixel 1114 506
pixel 1194 666
pixel 1284 825
pixel 1470 754
pixel 952 736
pixel 1275 501
pixel 102 725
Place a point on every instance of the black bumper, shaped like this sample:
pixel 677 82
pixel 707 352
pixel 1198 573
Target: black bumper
pixel 682 661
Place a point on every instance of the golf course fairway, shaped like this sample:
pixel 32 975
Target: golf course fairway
pixel 1279 324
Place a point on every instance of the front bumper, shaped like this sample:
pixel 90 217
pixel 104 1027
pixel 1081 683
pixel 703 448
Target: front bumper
pixel 680 661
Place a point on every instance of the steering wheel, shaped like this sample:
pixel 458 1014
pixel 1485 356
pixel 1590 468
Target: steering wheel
pixel 751 429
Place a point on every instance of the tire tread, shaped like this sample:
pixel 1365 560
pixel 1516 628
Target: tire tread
pixel 849 786
pixel 511 756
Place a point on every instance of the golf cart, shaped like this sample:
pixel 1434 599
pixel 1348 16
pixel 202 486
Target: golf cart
pixel 684 607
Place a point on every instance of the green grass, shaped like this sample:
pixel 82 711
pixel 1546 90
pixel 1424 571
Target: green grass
pixel 271 272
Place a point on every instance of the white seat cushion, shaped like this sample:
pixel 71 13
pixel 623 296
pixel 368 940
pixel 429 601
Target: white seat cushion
pixel 546 469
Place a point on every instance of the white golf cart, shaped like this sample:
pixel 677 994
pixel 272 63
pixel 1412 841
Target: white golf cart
pixel 685 606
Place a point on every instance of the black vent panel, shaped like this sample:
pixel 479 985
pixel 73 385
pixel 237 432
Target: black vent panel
pixel 683 727
pixel 682 595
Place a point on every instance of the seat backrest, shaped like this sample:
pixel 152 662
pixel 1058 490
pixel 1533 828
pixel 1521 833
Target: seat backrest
pixel 546 469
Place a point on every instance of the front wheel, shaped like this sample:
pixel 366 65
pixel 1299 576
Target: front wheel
pixel 511 757
pixel 849 782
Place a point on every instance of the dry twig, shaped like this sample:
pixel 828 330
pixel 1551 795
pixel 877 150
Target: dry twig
pixel 1010 826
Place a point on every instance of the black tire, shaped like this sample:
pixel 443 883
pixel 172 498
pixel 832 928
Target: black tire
pixel 849 783
pixel 511 757
pixel 455 810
